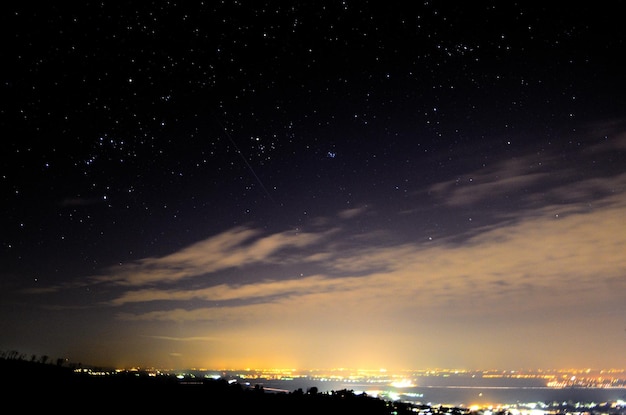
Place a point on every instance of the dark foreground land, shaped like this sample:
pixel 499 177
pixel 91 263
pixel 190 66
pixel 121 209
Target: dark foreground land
pixel 31 387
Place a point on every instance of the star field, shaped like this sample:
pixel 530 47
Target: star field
pixel 142 139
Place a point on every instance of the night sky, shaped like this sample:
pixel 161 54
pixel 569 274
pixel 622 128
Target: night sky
pixel 314 184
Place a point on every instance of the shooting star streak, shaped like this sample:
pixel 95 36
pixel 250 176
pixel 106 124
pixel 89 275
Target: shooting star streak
pixel 246 162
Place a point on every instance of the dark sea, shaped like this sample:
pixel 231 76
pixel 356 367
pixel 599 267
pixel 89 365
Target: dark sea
pixel 462 392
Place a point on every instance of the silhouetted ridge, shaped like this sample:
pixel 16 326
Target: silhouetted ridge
pixel 58 387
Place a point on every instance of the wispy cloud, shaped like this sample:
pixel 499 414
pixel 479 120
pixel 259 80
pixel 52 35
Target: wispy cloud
pixel 552 256
pixel 351 213
pixel 564 244
pixel 500 181
pixel 537 179
pixel 242 292
pixel 234 248
pixel 185 339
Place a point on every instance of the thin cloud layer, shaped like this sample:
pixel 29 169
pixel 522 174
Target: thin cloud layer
pixel 233 248
pixel 550 256
pixel 506 178
pixel 533 181
pixel 545 250
pixel 555 258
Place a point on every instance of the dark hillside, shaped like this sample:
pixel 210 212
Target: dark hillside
pixel 33 386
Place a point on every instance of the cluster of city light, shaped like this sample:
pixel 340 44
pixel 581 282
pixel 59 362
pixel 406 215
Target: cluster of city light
pixel 94 372
pixel 612 378
pixel 587 382
pixel 403 383
pixel 379 379
pixel 541 408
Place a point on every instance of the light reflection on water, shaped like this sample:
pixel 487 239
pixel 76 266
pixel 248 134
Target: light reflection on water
pixel 458 395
